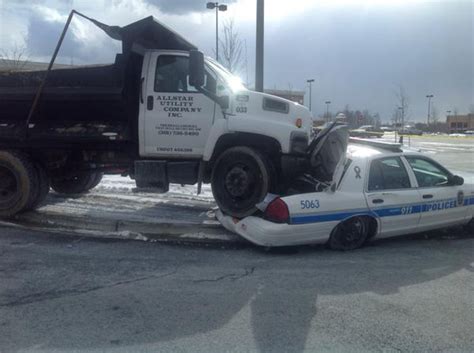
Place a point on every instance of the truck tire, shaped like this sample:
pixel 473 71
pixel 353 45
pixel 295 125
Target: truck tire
pixel 18 183
pixel 43 187
pixel 79 183
pixel 96 180
pixel 240 179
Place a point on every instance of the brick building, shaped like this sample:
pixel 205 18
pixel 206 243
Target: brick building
pixel 460 123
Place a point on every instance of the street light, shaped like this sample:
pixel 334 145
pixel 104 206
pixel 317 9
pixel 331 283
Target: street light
pixel 327 110
pixel 218 7
pixel 429 96
pixel 310 81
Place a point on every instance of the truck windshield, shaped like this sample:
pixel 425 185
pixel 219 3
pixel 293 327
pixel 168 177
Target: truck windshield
pixel 233 82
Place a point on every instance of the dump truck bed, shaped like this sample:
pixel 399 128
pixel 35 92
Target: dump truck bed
pixel 78 104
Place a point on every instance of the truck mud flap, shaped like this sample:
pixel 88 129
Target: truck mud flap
pixel 152 175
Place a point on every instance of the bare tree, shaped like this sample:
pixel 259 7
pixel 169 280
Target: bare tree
pixel 471 109
pixel 232 46
pixel 14 59
pixel 403 102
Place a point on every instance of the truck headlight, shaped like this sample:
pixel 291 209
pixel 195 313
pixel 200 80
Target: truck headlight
pixel 299 142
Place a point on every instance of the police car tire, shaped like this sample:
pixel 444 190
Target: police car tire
pixel 43 187
pixel 17 166
pixel 350 234
pixel 257 164
pixel 79 183
pixel 470 227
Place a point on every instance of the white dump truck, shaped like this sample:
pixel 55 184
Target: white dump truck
pixel 161 113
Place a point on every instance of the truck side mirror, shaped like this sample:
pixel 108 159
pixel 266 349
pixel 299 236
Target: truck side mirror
pixel 196 68
pixel 224 102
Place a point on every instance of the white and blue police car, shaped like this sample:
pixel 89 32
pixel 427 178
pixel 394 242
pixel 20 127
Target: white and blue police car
pixel 376 190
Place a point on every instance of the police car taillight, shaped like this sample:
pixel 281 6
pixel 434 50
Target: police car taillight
pixel 277 211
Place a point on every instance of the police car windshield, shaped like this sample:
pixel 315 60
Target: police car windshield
pixel 232 81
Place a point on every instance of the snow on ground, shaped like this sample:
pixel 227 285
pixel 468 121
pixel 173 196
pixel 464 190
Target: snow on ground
pixel 116 184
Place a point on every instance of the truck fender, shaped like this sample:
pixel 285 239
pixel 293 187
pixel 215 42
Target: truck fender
pixel 217 131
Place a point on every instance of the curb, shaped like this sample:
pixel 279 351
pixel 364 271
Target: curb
pixel 206 232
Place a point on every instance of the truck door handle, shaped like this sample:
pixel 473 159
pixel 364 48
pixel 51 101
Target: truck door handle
pixel 149 102
pixel 427 196
pixel 377 201
pixel 141 89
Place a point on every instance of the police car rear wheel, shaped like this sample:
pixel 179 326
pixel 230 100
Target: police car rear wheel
pixel 350 234
pixel 470 227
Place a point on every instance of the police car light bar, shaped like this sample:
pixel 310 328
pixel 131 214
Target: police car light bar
pixel 390 146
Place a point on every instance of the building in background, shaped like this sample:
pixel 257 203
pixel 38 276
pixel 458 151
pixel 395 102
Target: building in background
pixel 460 123
pixel 295 96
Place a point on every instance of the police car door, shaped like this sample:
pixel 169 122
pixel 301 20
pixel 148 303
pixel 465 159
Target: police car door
pixel 177 118
pixel 391 195
pixel 443 204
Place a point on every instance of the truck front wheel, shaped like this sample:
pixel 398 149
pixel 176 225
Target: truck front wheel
pixel 18 183
pixel 240 179
pixel 78 183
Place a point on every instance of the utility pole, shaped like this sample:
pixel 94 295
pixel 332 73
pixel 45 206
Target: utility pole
pixel 259 46
pixel 429 96
pixel 310 81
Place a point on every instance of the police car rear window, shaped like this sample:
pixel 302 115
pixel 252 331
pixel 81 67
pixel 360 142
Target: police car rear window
pixel 388 174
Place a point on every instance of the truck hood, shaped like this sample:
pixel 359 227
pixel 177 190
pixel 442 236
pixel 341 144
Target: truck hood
pixel 275 110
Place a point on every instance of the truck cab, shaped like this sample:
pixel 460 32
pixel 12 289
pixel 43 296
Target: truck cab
pixel 198 123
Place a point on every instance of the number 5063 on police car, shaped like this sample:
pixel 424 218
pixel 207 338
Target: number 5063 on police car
pixel 309 204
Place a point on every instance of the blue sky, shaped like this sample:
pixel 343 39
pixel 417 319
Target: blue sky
pixel 358 51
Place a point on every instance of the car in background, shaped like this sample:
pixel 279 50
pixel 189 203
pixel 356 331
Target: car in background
pixel 366 131
pixel 377 191
pixel 410 130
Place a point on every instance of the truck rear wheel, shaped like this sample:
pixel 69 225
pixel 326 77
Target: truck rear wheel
pixel 240 179
pixel 18 183
pixel 44 185
pixel 78 183
pixel 96 180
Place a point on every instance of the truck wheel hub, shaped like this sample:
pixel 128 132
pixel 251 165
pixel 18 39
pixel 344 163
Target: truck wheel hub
pixel 237 181
pixel 8 184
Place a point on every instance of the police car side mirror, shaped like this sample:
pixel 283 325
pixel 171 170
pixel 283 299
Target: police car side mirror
pixel 456 180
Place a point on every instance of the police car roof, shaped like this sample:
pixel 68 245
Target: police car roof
pixel 355 150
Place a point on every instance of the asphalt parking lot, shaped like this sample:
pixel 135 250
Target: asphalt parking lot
pixel 73 294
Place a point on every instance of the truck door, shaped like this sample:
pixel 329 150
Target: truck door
pixel 392 196
pixel 443 204
pixel 175 119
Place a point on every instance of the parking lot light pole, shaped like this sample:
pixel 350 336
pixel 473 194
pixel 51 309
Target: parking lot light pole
pixel 429 96
pixel 310 81
pixel 218 7
pixel 327 110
